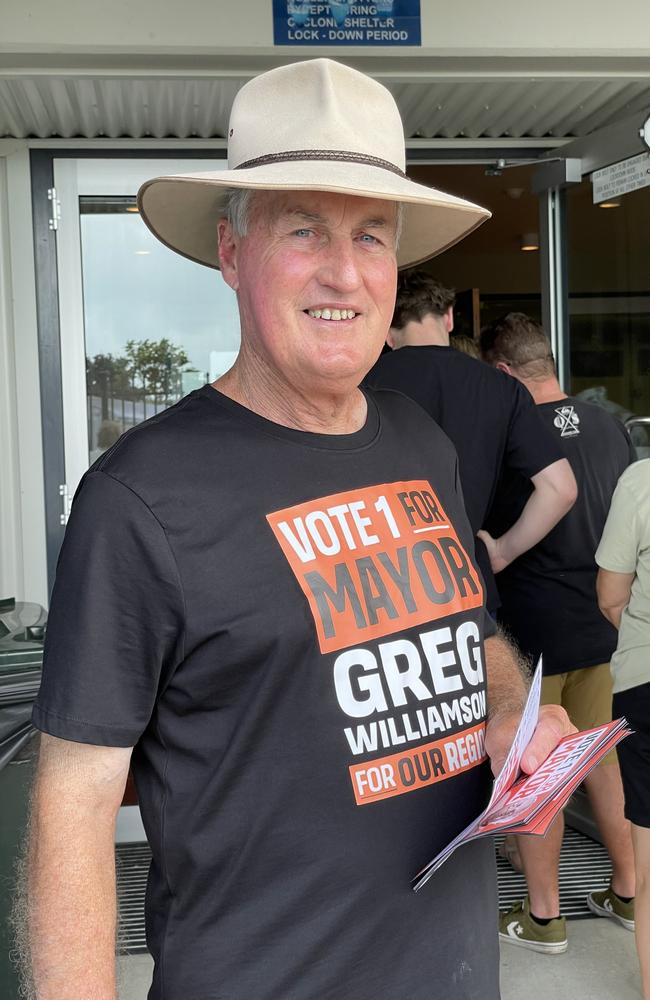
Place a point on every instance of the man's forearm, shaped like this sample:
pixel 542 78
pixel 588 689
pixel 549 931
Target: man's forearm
pixel 614 614
pixel 507 677
pixel 534 523
pixel 554 494
pixel 507 688
pixel 614 591
pixel 70 906
pixel 540 515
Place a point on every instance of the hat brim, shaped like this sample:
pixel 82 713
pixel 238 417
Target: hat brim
pixel 182 210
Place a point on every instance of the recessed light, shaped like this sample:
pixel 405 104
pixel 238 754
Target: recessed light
pixel 529 242
pixel 142 253
pixel 612 203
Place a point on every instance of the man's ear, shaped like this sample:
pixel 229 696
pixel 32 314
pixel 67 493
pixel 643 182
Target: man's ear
pixel 228 245
pixel 501 366
pixel 448 319
pixel 392 338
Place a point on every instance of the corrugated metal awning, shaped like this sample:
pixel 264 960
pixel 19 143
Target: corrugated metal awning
pixel 184 107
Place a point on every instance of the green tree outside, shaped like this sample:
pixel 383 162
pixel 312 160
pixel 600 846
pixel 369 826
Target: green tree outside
pixel 154 366
pixel 148 369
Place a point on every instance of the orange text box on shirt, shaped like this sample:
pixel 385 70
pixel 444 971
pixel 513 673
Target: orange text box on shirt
pixel 423 765
pixel 376 560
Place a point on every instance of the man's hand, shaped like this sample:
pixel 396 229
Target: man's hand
pixel 507 691
pixel 553 725
pixel 498 560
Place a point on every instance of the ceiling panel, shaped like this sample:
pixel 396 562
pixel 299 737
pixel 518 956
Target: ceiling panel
pixel 43 106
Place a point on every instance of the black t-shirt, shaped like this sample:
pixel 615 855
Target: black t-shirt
pixel 490 418
pixel 548 595
pixel 288 626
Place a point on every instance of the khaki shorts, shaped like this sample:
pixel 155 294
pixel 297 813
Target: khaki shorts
pixel 586 694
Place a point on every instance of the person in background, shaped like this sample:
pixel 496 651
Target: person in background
pixel 490 419
pixel 549 606
pixel 624 598
pixel 465 345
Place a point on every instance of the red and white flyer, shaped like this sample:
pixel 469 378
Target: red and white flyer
pixel 528 803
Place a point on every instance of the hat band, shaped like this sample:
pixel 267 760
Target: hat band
pixel 340 155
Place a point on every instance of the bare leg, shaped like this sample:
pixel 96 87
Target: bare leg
pixel 541 857
pixel 509 850
pixel 641 841
pixel 605 792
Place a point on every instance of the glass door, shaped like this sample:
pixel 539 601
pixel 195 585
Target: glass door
pixel 140 325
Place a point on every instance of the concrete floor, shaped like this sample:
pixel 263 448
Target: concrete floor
pixel 601 964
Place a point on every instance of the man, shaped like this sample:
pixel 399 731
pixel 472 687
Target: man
pixel 267 601
pixel 491 419
pixel 623 588
pixel 549 606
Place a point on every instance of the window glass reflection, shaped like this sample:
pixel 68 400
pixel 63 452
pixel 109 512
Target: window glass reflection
pixel 157 326
pixel 609 303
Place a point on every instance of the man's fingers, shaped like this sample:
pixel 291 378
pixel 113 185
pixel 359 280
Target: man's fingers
pixel 497 561
pixel 499 735
pixel 487 539
pixel 553 724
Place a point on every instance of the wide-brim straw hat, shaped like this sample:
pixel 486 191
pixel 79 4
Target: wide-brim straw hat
pixel 314 126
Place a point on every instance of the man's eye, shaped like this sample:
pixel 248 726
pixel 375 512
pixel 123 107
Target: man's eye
pixel 303 232
pixel 368 238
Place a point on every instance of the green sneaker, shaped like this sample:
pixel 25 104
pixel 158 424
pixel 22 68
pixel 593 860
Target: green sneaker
pixel 607 904
pixel 516 926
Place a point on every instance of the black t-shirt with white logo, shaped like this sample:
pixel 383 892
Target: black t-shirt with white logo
pixel 548 595
pixel 490 418
pixel 289 628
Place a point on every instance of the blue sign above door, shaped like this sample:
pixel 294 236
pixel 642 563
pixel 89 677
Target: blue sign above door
pixel 346 22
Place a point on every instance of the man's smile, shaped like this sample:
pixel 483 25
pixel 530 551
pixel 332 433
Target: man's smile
pixel 331 314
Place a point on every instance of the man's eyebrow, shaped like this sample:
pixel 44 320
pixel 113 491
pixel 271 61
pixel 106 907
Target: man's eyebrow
pixel 305 216
pixel 373 222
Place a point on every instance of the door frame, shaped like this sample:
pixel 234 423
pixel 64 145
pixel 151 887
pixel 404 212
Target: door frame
pixel 53 247
pixel 559 169
pixel 49 242
pixel 71 182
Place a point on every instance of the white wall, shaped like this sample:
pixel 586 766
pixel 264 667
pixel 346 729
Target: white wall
pixel 467 27
pixel 10 548
pixel 23 571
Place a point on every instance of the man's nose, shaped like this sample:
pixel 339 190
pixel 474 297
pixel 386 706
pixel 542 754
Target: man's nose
pixel 339 267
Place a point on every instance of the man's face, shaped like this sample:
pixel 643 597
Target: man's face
pixel 309 255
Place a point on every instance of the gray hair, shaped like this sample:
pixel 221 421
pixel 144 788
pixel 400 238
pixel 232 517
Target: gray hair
pixel 399 223
pixel 236 208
